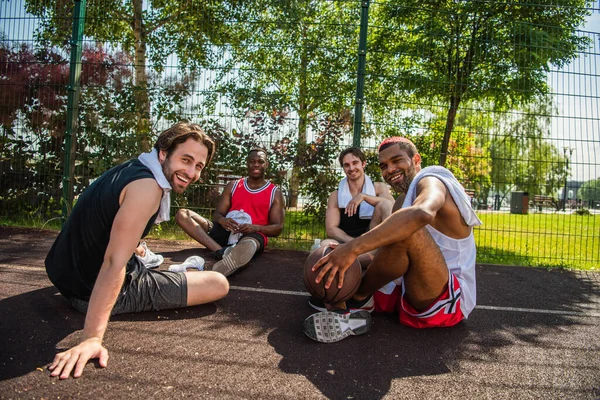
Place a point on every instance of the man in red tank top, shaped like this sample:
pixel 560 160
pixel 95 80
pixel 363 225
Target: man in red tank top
pixel 249 211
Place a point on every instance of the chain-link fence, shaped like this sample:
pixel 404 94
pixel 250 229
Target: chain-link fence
pixel 503 94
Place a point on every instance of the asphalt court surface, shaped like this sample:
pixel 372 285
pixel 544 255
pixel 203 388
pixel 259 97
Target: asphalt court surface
pixel 535 334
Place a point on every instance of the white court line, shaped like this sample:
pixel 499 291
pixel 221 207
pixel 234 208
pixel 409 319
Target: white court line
pixel 533 310
pixel 493 308
pixel 305 294
pixel 277 291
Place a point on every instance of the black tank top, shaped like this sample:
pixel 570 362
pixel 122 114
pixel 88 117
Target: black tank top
pixel 76 256
pixel 354 225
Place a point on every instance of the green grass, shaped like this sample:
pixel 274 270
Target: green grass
pixel 546 240
pixel 31 222
pixel 541 240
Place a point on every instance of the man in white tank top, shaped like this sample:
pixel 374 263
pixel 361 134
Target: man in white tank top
pixel 425 264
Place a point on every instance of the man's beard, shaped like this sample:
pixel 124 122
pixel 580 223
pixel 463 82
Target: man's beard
pixel 169 174
pixel 402 187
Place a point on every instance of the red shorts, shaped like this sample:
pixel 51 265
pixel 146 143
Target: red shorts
pixel 443 312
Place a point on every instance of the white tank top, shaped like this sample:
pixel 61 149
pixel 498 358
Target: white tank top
pixel 460 257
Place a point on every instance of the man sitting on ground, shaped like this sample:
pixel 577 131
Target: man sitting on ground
pixel 358 205
pixel 248 211
pixel 425 264
pixel 92 261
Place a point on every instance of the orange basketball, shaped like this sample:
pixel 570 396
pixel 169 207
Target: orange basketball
pixel 334 294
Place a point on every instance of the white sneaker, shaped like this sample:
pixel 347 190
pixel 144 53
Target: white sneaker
pixel 150 260
pixel 193 262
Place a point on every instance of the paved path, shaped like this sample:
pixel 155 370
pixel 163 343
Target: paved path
pixel 535 334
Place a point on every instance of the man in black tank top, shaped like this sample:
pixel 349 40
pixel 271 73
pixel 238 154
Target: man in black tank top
pixel 92 261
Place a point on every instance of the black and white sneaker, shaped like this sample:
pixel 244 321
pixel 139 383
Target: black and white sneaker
pixel 333 326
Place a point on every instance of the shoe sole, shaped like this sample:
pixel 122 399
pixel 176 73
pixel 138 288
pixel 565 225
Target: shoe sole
pixel 237 258
pixel 331 327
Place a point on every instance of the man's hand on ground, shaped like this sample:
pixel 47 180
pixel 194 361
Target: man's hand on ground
pixel 78 357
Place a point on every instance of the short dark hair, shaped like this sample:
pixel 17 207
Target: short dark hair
pixel 172 137
pixel 403 143
pixel 355 151
pixel 257 149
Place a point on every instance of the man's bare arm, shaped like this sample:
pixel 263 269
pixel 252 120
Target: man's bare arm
pixel 223 206
pixel 431 196
pixel 139 201
pixel 382 193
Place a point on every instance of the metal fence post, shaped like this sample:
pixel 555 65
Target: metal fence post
pixel 360 79
pixel 72 102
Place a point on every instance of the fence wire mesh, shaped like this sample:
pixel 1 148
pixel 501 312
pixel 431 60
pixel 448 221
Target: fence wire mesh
pixel 504 94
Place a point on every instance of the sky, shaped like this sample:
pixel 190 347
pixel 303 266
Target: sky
pixel 577 94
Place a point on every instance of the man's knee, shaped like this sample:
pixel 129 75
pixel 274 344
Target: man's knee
pixel 205 287
pixel 182 216
pixel 220 284
pixel 384 208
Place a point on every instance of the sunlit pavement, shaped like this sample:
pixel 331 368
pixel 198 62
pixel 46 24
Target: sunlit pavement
pixel 533 335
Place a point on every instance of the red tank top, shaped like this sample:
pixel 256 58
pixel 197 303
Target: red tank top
pixel 256 202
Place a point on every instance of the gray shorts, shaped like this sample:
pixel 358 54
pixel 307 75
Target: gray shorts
pixel 146 290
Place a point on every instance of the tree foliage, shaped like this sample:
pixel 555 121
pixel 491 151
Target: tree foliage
pixel 457 51
pixel 32 156
pixel 287 69
pixel 148 32
pixel 294 55
pixel 590 191
pixel 522 159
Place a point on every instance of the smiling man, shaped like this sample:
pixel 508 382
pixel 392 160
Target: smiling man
pixel 424 267
pixel 359 204
pixel 249 211
pixel 92 261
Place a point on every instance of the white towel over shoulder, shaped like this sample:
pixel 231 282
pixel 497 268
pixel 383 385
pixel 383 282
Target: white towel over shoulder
pixel 462 200
pixel 344 197
pixel 150 160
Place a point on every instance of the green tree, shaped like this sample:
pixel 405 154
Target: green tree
pixel 590 192
pixel 460 51
pixel 295 55
pixel 522 159
pixel 148 32
pixel 32 157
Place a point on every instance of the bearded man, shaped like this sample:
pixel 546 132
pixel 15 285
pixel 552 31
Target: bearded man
pixel 424 267
pixel 92 262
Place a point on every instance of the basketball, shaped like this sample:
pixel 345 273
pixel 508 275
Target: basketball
pixel 334 294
